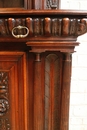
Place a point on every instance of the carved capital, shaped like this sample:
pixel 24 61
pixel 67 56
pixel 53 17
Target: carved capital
pixel 38 58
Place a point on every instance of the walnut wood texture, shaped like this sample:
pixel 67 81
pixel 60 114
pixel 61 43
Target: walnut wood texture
pixel 10 3
pixel 57 67
pixel 38 120
pixel 36 91
pixel 52 91
pixel 53 100
pixel 43 25
pixel 13 91
pixel 19 4
pixel 52 46
pixel 35 71
pixel 64 125
pixel 30 4
pixel 4 99
pixel 46 4
pixel 47 81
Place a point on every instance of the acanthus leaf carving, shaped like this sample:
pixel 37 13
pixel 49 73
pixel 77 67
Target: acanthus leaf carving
pixel 4 99
pixel 4 124
pixel 4 106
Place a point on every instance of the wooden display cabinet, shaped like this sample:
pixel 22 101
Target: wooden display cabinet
pixel 36 47
pixel 30 4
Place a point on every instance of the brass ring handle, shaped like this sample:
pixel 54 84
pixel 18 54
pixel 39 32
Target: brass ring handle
pixel 20 36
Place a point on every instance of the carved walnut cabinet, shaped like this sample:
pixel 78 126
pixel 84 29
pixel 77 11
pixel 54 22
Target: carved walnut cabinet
pixel 36 45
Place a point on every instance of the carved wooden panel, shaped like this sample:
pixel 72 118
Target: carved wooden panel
pixel 45 75
pixel 30 4
pixel 45 26
pixel 13 85
pixel 4 104
pixel 43 102
pixel 52 92
pixel 4 101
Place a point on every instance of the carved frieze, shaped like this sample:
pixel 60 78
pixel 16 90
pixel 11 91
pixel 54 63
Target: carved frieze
pixel 45 26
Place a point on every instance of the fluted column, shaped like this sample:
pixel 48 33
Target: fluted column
pixel 65 92
pixel 37 94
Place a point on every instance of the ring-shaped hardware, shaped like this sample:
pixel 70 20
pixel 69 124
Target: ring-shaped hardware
pixel 20 36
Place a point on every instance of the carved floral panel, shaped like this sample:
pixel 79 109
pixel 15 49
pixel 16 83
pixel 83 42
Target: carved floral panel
pixel 4 101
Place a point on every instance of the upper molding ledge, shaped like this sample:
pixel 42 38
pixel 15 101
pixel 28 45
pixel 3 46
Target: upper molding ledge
pixel 18 11
pixel 43 24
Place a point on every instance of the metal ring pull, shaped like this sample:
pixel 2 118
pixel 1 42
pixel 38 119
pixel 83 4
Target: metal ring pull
pixel 19 28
